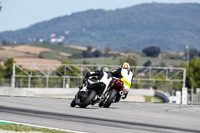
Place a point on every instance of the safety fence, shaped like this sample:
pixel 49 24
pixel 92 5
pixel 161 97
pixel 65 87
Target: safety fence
pixel 196 98
pixel 47 82
pixel 5 82
pixel 26 75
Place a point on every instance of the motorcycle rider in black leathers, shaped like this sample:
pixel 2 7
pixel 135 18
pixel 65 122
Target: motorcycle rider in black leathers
pixel 126 76
pixel 93 76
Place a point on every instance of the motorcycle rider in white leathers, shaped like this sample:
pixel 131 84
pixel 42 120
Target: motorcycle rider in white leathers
pixel 125 74
pixel 100 75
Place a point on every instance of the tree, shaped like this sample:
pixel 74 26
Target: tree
pixel 8 67
pixel 97 53
pixel 147 63
pixel 107 51
pixel 89 48
pixel 192 53
pixel 193 73
pixel 4 42
pixel 46 42
pixel 85 62
pixel 162 85
pixel 87 54
pixel 132 60
pixel 1 74
pixel 68 71
pixel 60 43
pixel 151 51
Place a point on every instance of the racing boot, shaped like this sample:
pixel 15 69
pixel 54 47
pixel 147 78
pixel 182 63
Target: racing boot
pixel 118 97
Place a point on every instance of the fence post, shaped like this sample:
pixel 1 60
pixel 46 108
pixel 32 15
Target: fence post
pixel 13 76
pixel 64 82
pixel 192 96
pixel 47 82
pixel 29 81
pixel 68 80
pixel 150 73
pixel 184 81
pixel 82 70
pixel 99 67
pixel 184 77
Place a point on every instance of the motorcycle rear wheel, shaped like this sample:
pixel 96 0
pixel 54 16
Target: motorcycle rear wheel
pixel 88 100
pixel 110 98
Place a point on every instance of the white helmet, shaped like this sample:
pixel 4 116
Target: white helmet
pixel 126 65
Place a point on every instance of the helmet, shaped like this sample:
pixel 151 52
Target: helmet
pixel 105 69
pixel 125 65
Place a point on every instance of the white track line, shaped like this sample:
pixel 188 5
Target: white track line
pixel 25 124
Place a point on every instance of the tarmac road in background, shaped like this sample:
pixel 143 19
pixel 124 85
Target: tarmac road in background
pixel 120 117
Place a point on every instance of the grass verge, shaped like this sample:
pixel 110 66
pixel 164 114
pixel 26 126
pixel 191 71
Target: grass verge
pixel 22 128
pixel 153 99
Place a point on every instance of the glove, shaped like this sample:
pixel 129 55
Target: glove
pixel 124 96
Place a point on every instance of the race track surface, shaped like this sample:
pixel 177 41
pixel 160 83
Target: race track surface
pixel 122 117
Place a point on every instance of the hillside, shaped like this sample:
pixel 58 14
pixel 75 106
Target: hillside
pixel 38 51
pixel 169 26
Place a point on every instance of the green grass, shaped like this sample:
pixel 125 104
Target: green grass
pixel 52 55
pixel 115 61
pixel 21 128
pixel 153 99
pixel 99 61
pixel 157 61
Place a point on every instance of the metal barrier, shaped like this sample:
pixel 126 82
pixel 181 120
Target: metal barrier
pixel 196 98
pixel 5 82
pixel 71 75
pixel 47 82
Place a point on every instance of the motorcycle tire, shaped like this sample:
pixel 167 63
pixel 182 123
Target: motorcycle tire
pixel 73 103
pixel 88 100
pixel 110 98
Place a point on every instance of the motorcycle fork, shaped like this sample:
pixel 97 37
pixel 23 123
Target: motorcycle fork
pixel 80 96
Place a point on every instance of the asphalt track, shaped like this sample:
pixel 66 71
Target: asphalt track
pixel 122 117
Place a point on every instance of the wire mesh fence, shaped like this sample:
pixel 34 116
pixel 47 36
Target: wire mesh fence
pixel 5 82
pixel 196 98
pixel 48 82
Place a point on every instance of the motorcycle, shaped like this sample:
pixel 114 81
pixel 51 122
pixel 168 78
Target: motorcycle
pixel 92 95
pixel 113 93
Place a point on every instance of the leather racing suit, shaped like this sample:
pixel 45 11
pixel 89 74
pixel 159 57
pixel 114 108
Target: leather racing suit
pixel 126 76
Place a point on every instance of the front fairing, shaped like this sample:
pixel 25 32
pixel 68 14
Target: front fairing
pixel 81 95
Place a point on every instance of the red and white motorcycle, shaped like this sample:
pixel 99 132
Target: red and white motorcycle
pixel 113 93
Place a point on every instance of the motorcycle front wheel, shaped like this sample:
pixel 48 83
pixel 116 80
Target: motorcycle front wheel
pixel 88 99
pixel 73 103
pixel 110 98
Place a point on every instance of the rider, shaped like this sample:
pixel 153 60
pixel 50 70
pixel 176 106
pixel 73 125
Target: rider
pixel 96 75
pixel 126 76
pixel 100 75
